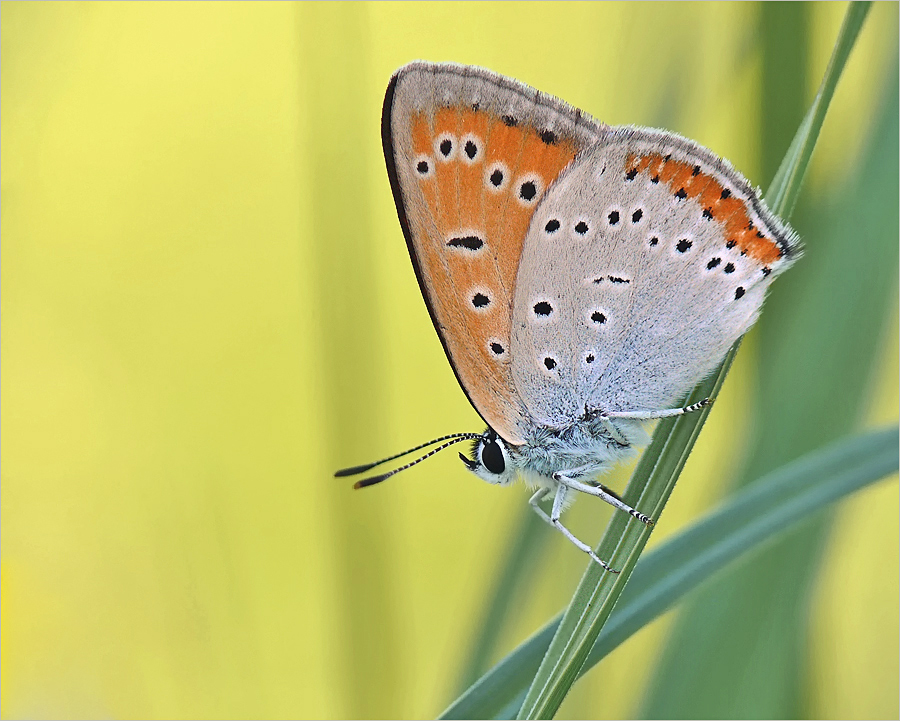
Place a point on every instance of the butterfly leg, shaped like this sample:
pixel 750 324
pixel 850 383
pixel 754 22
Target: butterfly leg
pixel 593 413
pixel 651 415
pixel 553 519
pixel 539 496
pixel 613 431
pixel 558 503
pixel 600 491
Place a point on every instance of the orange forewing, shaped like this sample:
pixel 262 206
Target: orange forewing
pixel 470 291
pixel 471 192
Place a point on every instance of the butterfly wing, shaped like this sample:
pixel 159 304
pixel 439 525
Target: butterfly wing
pixel 470 155
pixel 644 263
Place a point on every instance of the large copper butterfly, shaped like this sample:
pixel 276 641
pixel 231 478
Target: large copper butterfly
pixel 582 278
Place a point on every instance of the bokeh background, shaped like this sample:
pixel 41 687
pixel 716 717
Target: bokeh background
pixel 207 308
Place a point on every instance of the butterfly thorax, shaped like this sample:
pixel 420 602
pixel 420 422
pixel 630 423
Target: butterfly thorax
pixel 584 449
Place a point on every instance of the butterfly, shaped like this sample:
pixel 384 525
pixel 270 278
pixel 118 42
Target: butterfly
pixel 582 278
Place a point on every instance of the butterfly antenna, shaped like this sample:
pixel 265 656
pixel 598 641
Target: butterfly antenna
pixel 354 470
pixel 384 476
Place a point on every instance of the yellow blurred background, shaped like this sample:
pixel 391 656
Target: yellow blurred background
pixel 208 307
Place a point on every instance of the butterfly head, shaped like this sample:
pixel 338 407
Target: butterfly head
pixel 492 459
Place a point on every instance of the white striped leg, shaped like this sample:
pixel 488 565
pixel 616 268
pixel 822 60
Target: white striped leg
pixel 613 431
pixel 539 496
pixel 556 512
pixel 651 415
pixel 553 520
pixel 600 491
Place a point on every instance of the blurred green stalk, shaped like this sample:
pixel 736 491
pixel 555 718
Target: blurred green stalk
pixel 766 510
pixel 653 480
pixel 740 648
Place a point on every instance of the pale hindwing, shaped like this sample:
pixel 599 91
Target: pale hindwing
pixel 643 264
pixel 470 155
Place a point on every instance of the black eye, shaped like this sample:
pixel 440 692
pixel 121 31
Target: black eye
pixel 492 457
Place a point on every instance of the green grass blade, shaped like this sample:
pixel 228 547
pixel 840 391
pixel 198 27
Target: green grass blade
pixel 624 539
pixel 765 510
pixel 654 478
pixel 740 648
pixel 713 665
pixel 782 39
pixel 521 556
pixel 531 537
pixel 785 187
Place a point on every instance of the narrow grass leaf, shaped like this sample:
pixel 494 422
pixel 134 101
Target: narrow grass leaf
pixel 740 648
pixel 522 554
pixel 785 187
pixel 531 537
pixel 762 512
pixel 654 478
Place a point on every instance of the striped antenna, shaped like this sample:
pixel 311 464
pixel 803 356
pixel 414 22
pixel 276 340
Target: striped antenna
pixel 371 481
pixel 354 470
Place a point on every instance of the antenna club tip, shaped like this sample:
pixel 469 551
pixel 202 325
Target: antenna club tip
pixel 371 481
pixel 353 470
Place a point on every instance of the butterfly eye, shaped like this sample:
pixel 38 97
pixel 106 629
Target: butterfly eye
pixel 492 457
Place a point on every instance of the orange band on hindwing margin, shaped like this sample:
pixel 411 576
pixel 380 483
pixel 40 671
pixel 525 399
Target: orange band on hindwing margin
pixel 685 181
